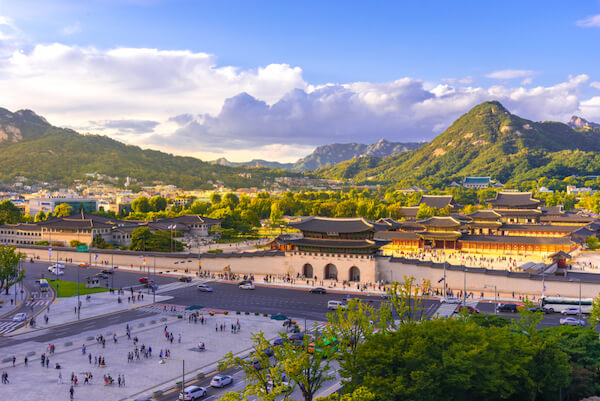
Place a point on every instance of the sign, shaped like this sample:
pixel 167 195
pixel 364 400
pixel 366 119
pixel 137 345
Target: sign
pixel 82 248
pixel 49 253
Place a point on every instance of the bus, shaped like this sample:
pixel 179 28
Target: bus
pixel 43 285
pixel 558 304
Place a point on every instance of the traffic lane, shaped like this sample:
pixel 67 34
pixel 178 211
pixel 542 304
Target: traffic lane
pixel 299 303
pixel 76 327
pixel 212 393
pixel 121 278
pixel 549 320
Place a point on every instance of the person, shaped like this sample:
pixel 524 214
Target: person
pixel 26 360
pixel 71 391
pixel 59 378
pixel 14 360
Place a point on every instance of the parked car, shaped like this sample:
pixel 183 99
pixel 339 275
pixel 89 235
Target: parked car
pixel 256 364
pixel 107 271
pixel 101 275
pixel 221 380
pixel 84 265
pixel 538 309
pixel 20 317
pixel 507 308
pixel 450 300
pixel 204 288
pixel 185 279
pixel 192 393
pixel 572 321
pixel 296 337
pixel 469 309
pixel 574 310
pixel 318 290
pixel 142 280
pixel 247 286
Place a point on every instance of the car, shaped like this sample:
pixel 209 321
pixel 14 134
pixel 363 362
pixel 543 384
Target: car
pixel 245 282
pixel 507 308
pixel 256 364
pixel 247 287
pixel 20 317
pixel 538 309
pixel 56 272
pixel 468 308
pixel 84 265
pixel 572 321
pixel 101 275
pixel 574 310
pixel 192 393
pixel 107 271
pixel 204 288
pixel 333 305
pixel 294 337
pixel 318 290
pixel 221 380
pixel 450 300
pixel 185 279
pixel 277 342
pixel 142 280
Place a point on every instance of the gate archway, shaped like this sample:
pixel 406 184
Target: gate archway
pixel 307 270
pixel 354 274
pixel 331 272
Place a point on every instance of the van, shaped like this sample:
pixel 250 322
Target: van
pixel 507 308
pixel 333 305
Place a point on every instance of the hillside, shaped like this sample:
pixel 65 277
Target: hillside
pixel 488 140
pixel 329 155
pixel 31 147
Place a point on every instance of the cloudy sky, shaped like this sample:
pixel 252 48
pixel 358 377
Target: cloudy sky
pixel 274 79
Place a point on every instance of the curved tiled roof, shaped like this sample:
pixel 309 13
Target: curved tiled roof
pixel 513 199
pixel 440 221
pixel 337 225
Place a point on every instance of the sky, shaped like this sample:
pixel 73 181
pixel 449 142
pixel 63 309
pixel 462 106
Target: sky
pixel 274 79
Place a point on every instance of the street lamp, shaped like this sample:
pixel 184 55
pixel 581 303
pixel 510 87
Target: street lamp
pixel 171 228
pixel 163 361
pixel 578 279
pixel 495 297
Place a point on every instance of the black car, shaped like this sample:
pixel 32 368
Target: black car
pixel 102 275
pixel 538 309
pixel 318 290
pixel 107 271
pixel 507 308
pixel 185 279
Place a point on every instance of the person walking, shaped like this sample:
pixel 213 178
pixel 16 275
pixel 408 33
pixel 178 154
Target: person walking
pixel 14 360
pixel 71 391
pixel 59 378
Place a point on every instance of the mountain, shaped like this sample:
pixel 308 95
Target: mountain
pixel 581 124
pixel 329 155
pixel 488 141
pixel 33 148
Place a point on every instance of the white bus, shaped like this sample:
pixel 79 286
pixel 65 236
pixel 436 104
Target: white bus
pixel 43 285
pixel 558 304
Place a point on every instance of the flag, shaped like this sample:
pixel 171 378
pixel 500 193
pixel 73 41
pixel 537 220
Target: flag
pixel 440 280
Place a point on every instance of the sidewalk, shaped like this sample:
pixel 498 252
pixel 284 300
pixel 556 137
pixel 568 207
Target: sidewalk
pixel 143 374
pixel 7 304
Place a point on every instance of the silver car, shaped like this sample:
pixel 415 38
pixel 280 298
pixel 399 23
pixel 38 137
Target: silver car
pixel 450 300
pixel 221 380
pixel 572 321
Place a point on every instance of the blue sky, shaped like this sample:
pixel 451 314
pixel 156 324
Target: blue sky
pixel 539 57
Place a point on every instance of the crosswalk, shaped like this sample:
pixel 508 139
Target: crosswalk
pixel 38 302
pixel 163 308
pixel 6 326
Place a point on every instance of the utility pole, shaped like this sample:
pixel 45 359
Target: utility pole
pixel 465 287
pixel 112 262
pixel 154 286
pixel 445 279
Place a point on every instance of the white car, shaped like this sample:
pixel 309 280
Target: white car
pixel 192 393
pixel 450 300
pixel 20 317
pixel 56 272
pixel 571 321
pixel 247 286
pixel 221 380
pixel 570 311
pixel 204 288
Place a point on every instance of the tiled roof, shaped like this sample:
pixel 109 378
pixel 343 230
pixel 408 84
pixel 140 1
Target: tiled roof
pixel 514 199
pixel 513 239
pixel 437 201
pixel 329 224
pixel 539 227
pixel 477 180
pixel 440 221
pixel 310 242
pixel 484 214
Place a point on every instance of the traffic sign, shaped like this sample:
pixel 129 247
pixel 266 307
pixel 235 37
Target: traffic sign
pixel 82 248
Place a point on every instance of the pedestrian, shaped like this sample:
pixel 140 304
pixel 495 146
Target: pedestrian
pixel 119 380
pixel 90 358
pixel 123 380
pixel 26 360
pixel 14 359
pixel 179 338
pixel 47 362
pixel 59 378
pixel 71 391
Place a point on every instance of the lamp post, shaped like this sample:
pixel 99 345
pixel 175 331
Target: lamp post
pixel 465 287
pixel 163 361
pixel 495 297
pixel 579 312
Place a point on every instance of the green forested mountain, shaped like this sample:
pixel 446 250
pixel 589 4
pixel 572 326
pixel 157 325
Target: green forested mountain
pixel 31 147
pixel 488 140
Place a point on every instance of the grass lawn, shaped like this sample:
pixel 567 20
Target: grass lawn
pixel 69 288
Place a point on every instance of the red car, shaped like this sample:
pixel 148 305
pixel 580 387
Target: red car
pixel 469 309
pixel 143 280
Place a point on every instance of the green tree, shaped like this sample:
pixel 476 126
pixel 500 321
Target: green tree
pixel 139 238
pixel 99 242
pixel 141 205
pixel 63 210
pixel 40 216
pixel 276 214
pixel 199 207
pixel 75 243
pixel 9 213
pixel 215 199
pixel 9 267
pixel 157 203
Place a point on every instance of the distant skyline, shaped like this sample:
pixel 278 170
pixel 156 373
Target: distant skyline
pixel 274 79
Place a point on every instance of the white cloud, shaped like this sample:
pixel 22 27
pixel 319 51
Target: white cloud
pixel 184 102
pixel 590 22
pixel 527 81
pixel 511 74
pixel 71 29
pixel 595 84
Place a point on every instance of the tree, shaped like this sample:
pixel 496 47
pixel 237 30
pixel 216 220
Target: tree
pixel 403 297
pixel 157 203
pixel 199 207
pixel 360 394
pixel 99 242
pixel 40 216
pixel 215 199
pixel 9 266
pixel 63 210
pixel 276 214
pixel 139 237
pixel 75 243
pixel 9 213
pixel 141 205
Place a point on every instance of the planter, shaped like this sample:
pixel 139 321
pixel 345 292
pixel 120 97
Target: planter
pixel 200 375
pixel 211 313
pixel 247 313
pixel 179 316
pixel 256 313
pixel 237 313
pixel 157 394
pixel 226 313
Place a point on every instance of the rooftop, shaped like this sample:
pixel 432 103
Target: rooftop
pixel 338 225
pixel 514 199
